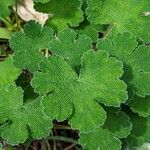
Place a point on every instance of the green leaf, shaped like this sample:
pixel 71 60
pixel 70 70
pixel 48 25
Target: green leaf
pixel 124 15
pixel 67 45
pixel 100 139
pixel 117 125
pixel 16 117
pixel 136 59
pixel 64 91
pixel 28 45
pixel 134 141
pixel 4 4
pixel 141 106
pixel 4 33
pixel 63 13
pixel 140 130
pixel 8 72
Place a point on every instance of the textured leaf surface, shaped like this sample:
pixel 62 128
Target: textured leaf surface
pixel 125 15
pixel 67 45
pixel 8 72
pixel 4 10
pixel 28 45
pixel 64 12
pixel 117 125
pixel 141 106
pixel 100 139
pixel 65 90
pixel 20 116
pixel 136 60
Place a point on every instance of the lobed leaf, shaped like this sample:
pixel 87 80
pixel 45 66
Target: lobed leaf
pixel 28 45
pixel 67 45
pixel 64 92
pixel 16 118
pixel 117 125
pixel 136 59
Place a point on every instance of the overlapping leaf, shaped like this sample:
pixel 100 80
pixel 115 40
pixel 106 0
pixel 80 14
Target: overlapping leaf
pixel 63 13
pixel 64 91
pixel 117 126
pixel 8 72
pixel 16 118
pixel 28 45
pixel 125 15
pixel 67 45
pixel 136 59
pixel 118 123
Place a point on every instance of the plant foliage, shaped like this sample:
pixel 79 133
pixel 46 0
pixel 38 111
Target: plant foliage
pixel 89 65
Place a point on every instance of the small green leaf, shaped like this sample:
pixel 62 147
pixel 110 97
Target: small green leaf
pixel 71 47
pixel 117 125
pixel 16 117
pixel 28 45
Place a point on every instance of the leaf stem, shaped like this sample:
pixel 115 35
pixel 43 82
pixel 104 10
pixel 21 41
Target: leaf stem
pixel 62 127
pixel 54 141
pixel 61 138
pixel 7 23
pixel 70 147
